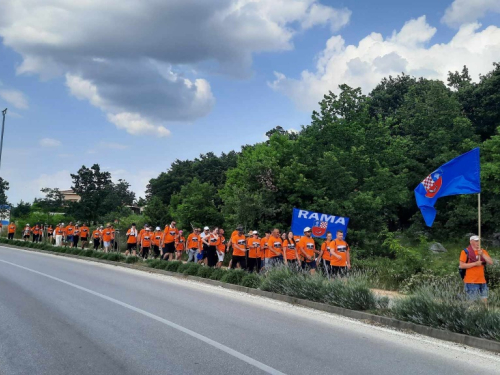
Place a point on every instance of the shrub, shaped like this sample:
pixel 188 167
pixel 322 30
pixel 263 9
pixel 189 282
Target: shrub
pixel 251 280
pixel 492 274
pixel 87 253
pixel 233 276
pixel 295 284
pixel 153 263
pixel 448 309
pixel 173 266
pixel 205 272
pixel 217 274
pixel 162 265
pixel 182 267
pixel 114 257
pixel 192 269
pixel 352 293
pixel 419 280
pixel 131 259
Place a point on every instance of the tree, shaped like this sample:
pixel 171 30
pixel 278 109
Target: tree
pixel 156 212
pixel 4 186
pixel 21 211
pixel 53 201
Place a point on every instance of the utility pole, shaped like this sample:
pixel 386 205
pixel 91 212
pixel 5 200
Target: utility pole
pixel 4 113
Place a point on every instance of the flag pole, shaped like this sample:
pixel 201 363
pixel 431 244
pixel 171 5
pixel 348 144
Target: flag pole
pixel 479 220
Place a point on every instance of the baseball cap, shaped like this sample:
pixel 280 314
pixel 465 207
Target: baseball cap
pixel 239 227
pixel 474 238
pixel 158 228
pixel 206 228
pixel 255 232
pixel 307 229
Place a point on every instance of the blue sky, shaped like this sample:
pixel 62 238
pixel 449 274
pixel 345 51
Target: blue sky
pixel 76 98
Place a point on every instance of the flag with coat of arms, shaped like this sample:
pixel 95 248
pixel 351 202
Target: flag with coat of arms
pixel 458 176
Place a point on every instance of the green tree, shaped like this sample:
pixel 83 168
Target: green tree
pixel 156 212
pixel 22 210
pixel 4 186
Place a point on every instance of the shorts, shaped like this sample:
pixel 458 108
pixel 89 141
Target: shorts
pixel 49 234
pixel 220 256
pixel 169 248
pixel 203 254
pixel 26 236
pixel 107 243
pixel 239 259
pixel 309 265
pixel 131 246
pixel 156 250
pixel 83 239
pixel 69 239
pixel 475 291
pixel 338 271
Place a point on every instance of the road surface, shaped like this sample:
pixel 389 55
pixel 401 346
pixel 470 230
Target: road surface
pixel 67 316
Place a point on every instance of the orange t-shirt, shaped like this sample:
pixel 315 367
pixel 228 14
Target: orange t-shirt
pixel 341 248
pixel 474 275
pixel 276 244
pixel 96 234
pixel 12 228
pixel 290 248
pixel 69 230
pixel 193 241
pixel 263 247
pixel 106 235
pixel 254 248
pixel 146 239
pixel 50 230
pixel 308 245
pixel 76 232
pixel 325 248
pixel 36 231
pixel 221 247
pixel 212 240
pixel 84 232
pixel 131 238
pixel 180 243
pixel 170 234
pixel 157 236
pixel 59 231
pixel 239 241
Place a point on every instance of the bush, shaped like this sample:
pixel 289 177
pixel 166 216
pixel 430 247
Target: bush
pixel 205 272
pixel 173 266
pixel 131 259
pixel 282 280
pixel 352 293
pixel 162 265
pixel 114 257
pixel 492 274
pixel 251 280
pixel 153 263
pixel 192 269
pixel 419 280
pixel 450 310
pixel 217 274
pixel 182 267
pixel 233 276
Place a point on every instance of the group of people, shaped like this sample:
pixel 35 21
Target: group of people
pixel 250 251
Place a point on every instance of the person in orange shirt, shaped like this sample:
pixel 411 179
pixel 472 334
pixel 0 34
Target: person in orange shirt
pixel 180 245
pixel 84 235
pixel 50 234
pixel 254 252
pixel 157 242
pixel 146 241
pixel 473 260
pixel 11 230
pixel 106 237
pixel 131 240
pixel 68 231
pixel 221 249
pixel 59 233
pixel 171 233
pixel 96 236
pixel 340 258
pixel 76 235
pixel 212 241
pixel 325 253
pixel 263 248
pixel 35 231
pixel 193 245
pixel 290 250
pixel 239 249
pixel 307 247
pixel 274 249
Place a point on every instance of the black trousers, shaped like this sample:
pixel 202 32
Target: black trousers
pixel 97 241
pixel 10 236
pixel 36 237
pixel 212 258
pixel 253 264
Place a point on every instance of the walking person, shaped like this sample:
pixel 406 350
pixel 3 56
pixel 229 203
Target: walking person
pixel 26 232
pixel 239 249
pixel 325 255
pixel 472 261
pixel 180 245
pixel 157 242
pixel 146 241
pixel 131 240
pixel 254 252
pixel 193 245
pixel 11 230
pixel 307 247
pixel 68 232
pixel 340 257
pixel 290 251
pixel 76 236
pixel 59 231
pixel 84 235
pixel 171 234
pixel 96 236
pixel 274 248
pixel 212 241
pixel 106 238
pixel 50 234
pixel 221 249
pixel 36 231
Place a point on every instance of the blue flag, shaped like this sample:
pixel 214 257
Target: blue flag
pixel 459 176
pixel 320 224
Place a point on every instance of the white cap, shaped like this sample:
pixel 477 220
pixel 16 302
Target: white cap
pixel 206 228
pixel 255 232
pixel 307 229
pixel 474 238
pixel 158 228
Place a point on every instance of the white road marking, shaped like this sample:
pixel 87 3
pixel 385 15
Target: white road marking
pixel 178 327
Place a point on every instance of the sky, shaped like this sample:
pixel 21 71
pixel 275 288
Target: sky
pixel 134 85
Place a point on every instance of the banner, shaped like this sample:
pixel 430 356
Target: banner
pixel 320 224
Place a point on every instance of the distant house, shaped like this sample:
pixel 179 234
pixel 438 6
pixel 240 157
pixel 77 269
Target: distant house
pixel 70 196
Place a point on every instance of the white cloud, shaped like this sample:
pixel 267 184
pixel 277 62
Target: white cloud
pixel 139 61
pixel 49 142
pixel 467 11
pixel 15 98
pixel 409 51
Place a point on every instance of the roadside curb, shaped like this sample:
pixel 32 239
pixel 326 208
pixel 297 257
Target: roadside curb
pixel 457 338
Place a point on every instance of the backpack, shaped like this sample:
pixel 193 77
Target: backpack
pixel 462 271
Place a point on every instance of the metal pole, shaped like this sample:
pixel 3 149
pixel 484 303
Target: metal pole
pixel 4 112
pixel 479 219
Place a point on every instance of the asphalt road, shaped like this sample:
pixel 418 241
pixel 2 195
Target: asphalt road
pixel 66 316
